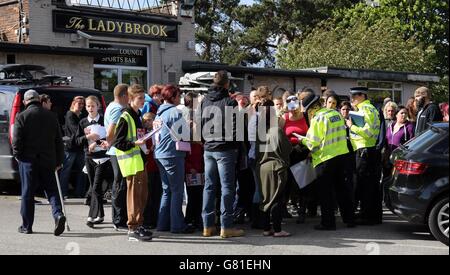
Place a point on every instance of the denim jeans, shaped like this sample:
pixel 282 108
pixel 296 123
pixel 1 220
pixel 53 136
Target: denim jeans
pixel 219 169
pixel 171 209
pixel 73 161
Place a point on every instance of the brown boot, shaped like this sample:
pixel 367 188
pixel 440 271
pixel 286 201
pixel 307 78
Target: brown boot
pixel 232 232
pixel 209 231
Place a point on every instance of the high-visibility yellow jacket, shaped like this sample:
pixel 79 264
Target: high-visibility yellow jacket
pixel 327 136
pixel 130 162
pixel 366 137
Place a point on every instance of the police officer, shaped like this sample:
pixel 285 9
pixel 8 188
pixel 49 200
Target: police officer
pixel 364 139
pixel 327 141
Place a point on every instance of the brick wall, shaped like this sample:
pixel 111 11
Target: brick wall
pixel 80 67
pixel 9 19
pixel 41 33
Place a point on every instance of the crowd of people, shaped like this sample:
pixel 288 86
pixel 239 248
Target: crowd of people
pixel 230 156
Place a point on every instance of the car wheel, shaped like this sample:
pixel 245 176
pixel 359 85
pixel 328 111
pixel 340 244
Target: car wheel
pixel 438 220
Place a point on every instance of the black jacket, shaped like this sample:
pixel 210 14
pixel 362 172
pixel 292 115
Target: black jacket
pixel 431 113
pixel 37 137
pixel 82 141
pixel 120 137
pixel 72 121
pixel 219 98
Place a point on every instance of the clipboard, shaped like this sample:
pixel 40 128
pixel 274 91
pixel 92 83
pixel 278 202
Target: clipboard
pixel 150 134
pixel 357 119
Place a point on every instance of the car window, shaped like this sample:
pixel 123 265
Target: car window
pixel 425 141
pixel 441 146
pixel 6 100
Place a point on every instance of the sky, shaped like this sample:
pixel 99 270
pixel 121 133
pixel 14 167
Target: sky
pixel 248 2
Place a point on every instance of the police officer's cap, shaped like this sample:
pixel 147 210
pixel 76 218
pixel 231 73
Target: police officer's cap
pixel 359 90
pixel 309 100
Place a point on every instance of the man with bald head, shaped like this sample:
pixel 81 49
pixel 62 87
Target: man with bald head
pixel 428 111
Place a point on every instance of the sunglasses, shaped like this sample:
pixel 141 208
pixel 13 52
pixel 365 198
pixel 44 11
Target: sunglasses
pixel 291 100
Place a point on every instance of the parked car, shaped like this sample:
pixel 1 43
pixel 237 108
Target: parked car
pixel 11 104
pixel 418 190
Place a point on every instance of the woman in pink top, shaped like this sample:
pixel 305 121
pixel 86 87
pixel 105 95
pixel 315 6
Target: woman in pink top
pixel 294 122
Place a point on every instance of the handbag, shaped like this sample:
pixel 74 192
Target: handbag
pixel 181 146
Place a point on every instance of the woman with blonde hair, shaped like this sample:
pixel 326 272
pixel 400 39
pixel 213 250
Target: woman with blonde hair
pixel 98 164
pixel 389 111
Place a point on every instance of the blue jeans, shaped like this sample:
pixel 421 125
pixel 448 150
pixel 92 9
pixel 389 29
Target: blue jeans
pixel 171 209
pixel 31 176
pixel 220 168
pixel 73 161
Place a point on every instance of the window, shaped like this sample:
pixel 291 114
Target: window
pixel 379 90
pixel 120 63
pixel 105 80
pixel 6 101
pixel 431 140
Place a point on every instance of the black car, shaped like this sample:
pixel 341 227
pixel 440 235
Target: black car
pixel 11 103
pixel 418 190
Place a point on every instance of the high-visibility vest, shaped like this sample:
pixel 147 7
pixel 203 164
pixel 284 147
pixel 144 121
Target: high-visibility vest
pixel 327 136
pixel 130 162
pixel 366 137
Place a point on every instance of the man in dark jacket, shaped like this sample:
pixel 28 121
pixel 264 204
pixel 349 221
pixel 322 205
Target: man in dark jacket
pixel 37 145
pixel 219 134
pixel 428 111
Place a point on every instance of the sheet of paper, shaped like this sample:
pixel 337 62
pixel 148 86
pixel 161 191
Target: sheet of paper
pixel 98 129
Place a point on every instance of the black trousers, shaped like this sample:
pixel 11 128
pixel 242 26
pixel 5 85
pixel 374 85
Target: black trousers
pixel 118 196
pixel 246 189
pixel 194 205
pixel 154 199
pixel 368 184
pixel 97 173
pixel 275 213
pixel 32 176
pixel 349 173
pixel 332 188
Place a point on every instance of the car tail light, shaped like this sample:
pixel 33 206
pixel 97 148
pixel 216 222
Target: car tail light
pixel 410 168
pixel 14 111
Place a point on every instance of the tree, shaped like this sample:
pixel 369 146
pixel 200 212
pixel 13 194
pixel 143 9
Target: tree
pixel 376 47
pixel 425 20
pixel 213 21
pixel 246 35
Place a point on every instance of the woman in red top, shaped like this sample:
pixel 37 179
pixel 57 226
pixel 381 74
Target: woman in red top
pixel 294 122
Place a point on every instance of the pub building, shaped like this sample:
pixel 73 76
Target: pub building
pixel 100 43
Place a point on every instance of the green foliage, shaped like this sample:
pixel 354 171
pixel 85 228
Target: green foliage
pixel 238 34
pixel 440 90
pixel 424 20
pixel 377 47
